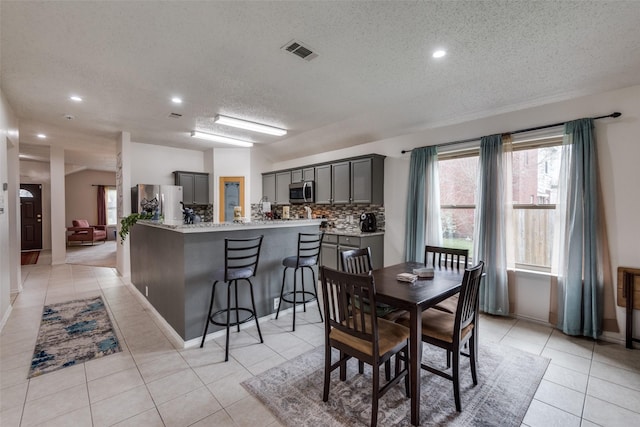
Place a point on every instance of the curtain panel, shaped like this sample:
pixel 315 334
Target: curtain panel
pixel 491 223
pixel 423 223
pixel 102 205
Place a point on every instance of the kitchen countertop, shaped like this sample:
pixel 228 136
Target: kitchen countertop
pixel 354 233
pixel 207 227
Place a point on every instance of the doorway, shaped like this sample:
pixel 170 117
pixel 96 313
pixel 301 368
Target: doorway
pixel 231 195
pixel 30 217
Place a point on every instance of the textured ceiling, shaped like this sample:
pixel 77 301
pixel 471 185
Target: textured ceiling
pixel 374 77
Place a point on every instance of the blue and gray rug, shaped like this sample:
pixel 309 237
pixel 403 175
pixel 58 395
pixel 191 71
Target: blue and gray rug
pixel 71 333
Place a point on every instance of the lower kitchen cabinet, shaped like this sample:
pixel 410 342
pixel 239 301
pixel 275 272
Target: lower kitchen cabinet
pixel 333 244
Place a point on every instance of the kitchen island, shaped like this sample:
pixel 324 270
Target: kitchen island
pixel 172 266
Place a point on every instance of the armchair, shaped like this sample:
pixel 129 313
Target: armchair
pixel 83 232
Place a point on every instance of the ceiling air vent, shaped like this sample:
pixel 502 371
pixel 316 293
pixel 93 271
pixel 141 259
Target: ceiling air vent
pixel 174 115
pixel 300 50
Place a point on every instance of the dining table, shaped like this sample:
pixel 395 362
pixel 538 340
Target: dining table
pixel 415 297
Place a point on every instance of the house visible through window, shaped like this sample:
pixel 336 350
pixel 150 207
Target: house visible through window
pixel 112 217
pixel 535 172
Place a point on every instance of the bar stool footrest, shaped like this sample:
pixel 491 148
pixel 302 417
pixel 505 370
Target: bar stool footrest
pixel 252 316
pixel 312 297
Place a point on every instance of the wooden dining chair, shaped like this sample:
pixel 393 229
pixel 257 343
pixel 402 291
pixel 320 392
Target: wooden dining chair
pixel 442 257
pixel 451 331
pixel 358 334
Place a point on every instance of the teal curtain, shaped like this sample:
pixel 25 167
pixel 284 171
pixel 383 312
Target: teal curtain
pixel 491 225
pixel 580 282
pixel 423 222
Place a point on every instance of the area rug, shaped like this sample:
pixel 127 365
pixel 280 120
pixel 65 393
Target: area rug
pixel 71 333
pixel 507 380
pixel 98 255
pixel 28 258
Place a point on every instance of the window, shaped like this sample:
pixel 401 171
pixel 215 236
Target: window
pixel 111 195
pixel 535 172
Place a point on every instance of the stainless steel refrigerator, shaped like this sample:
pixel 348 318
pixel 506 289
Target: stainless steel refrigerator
pixel 163 201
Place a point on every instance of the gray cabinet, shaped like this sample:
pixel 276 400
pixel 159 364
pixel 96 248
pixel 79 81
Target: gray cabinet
pixel 269 187
pixel 301 175
pixel 340 183
pixel 333 244
pixel 283 179
pixel 323 185
pixel 195 187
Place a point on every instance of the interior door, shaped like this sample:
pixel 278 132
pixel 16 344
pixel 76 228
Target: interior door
pixel 31 216
pixel 231 195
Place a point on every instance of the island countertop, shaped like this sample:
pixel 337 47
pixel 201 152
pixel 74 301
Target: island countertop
pixel 207 227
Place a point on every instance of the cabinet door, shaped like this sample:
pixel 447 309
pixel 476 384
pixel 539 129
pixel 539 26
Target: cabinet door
pixel 283 179
pixel 340 183
pixel 329 255
pixel 201 188
pixel 361 181
pixel 296 175
pixel 269 187
pixel 186 180
pixel 308 174
pixel 323 185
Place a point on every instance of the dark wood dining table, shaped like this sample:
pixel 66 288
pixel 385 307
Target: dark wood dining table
pixel 415 298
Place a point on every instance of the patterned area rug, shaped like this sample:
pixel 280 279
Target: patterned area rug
pixel 71 333
pixel 28 258
pixel 507 380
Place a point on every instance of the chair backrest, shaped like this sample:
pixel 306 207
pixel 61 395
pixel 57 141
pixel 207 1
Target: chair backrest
pixel 241 255
pixel 356 261
pixel 309 245
pixel 339 289
pixel 468 300
pixel 80 223
pixel 446 257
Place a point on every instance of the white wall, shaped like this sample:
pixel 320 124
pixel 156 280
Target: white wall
pixel 9 246
pixel 81 194
pixel 619 152
pixel 155 164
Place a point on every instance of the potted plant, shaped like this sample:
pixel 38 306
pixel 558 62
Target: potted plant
pixel 129 221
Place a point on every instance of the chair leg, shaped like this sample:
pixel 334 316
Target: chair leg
pixel 472 359
pixel 255 313
pixel 327 372
pixel 448 359
pixel 304 298
pixel 315 290
pixel 456 379
pixel 343 367
pixel 235 283
pixel 295 288
pixel 407 377
pixel 284 275
pixel 387 370
pixel 374 395
pixel 226 351
pixel 360 367
pixel 206 325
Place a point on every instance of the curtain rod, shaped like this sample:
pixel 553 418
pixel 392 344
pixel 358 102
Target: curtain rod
pixel 102 185
pixel 614 115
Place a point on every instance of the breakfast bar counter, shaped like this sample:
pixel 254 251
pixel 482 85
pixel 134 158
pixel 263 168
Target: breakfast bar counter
pixel 172 266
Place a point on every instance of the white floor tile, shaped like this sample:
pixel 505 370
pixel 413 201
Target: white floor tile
pixel 607 414
pixel 543 415
pixel 615 394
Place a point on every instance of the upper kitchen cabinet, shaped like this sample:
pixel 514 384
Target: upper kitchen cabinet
pixel 195 187
pixel 367 180
pixel 269 187
pixel 323 185
pixel 340 183
pixel 283 179
pixel 302 175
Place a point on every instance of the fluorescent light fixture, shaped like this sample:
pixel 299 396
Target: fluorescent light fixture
pixel 439 53
pixel 176 100
pixel 75 98
pixel 243 124
pixel 41 135
pixel 220 138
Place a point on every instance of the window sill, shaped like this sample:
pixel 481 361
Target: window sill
pixel 532 273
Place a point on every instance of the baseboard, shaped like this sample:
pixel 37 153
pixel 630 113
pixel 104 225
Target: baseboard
pixel 5 318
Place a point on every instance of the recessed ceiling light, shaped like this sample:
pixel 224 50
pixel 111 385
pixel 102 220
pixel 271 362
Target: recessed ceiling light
pixel 439 53
pixel 75 98
pixel 243 124
pixel 176 100
pixel 220 138
pixel 41 135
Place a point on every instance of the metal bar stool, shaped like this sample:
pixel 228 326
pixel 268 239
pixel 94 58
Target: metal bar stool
pixel 240 263
pixel 308 254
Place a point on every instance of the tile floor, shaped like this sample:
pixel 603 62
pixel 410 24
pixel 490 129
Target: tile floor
pixel 152 383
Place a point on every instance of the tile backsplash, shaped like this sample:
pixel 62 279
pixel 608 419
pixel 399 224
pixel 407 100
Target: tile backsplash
pixel 343 217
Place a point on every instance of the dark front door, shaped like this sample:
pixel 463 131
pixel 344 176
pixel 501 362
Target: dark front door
pixel 31 216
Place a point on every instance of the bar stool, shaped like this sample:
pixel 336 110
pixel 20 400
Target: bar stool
pixel 240 263
pixel 308 254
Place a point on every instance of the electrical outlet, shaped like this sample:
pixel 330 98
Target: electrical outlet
pixel 276 302
pixel 146 291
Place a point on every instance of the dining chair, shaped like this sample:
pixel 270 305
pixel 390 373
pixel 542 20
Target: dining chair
pixel 358 334
pixel 451 331
pixel 442 257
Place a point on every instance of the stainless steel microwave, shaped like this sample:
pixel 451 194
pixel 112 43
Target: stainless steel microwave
pixel 302 192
